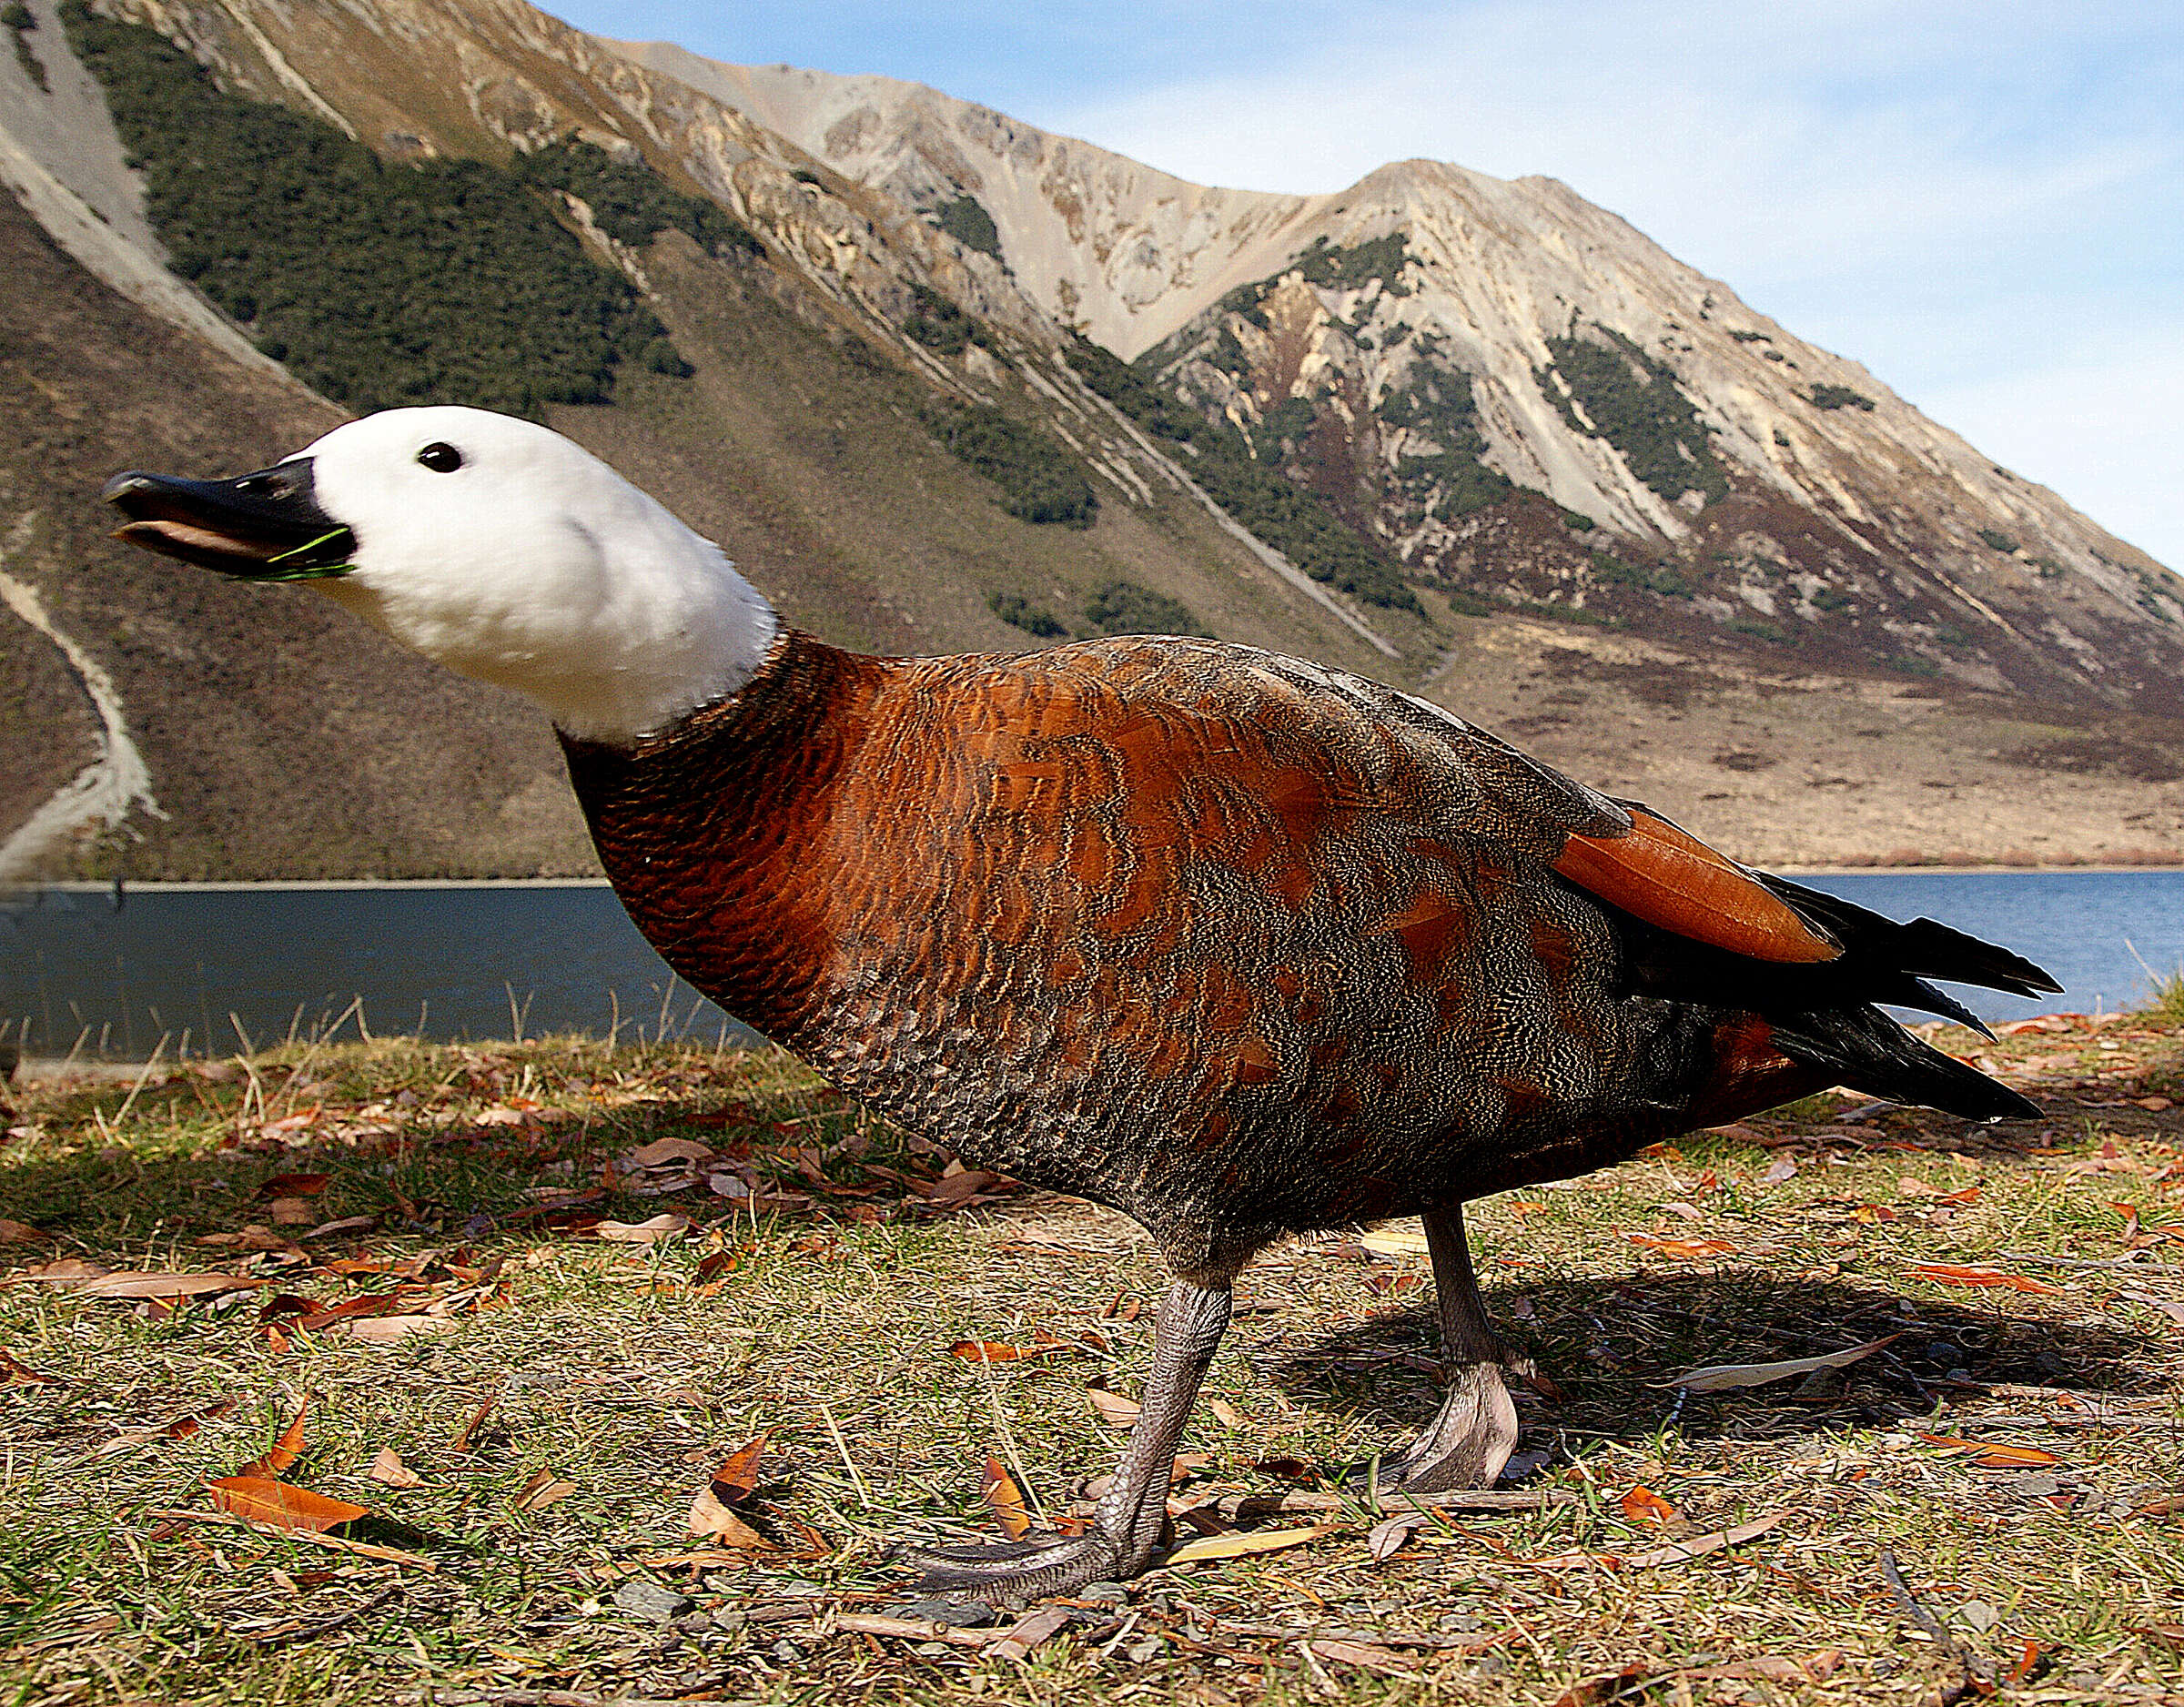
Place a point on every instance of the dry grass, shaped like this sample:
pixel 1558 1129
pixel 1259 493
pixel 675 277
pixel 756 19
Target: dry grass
pixel 628 1373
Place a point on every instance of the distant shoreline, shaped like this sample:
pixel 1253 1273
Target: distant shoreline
pixel 278 884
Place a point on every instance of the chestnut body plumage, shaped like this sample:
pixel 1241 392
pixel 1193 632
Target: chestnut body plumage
pixel 1234 943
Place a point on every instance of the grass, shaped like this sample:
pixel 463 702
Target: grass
pixel 824 1309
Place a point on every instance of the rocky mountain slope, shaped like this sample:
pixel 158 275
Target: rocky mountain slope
pixel 942 381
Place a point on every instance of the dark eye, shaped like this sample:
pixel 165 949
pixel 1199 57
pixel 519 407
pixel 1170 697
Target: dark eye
pixel 442 458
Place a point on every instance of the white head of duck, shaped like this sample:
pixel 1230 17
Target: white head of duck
pixel 491 544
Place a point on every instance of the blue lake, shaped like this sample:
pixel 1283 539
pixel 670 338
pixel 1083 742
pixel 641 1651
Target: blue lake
pixel 482 962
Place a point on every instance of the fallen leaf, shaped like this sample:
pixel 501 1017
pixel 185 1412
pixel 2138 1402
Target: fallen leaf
pixel 386 1468
pixel 1780 1169
pixel 290 1212
pixel 1113 1407
pixel 261 1501
pixel 1683 1249
pixel 1994 1454
pixel 667 1153
pixel 710 1520
pixel 1716 1377
pixel 1006 1499
pixel 1392 1534
pixel 737 1479
pixel 1224 1413
pixel 13 1370
pixel 1596 1691
pixel 1373 1657
pixel 993 1351
pixel 62 1271
pixel 347 1224
pixel 391 1330
pixel 180 1428
pixel 127 1285
pixel 1643 1505
pixel 293 1186
pixel 463 1441
pixel 1028 1631
pixel 2167 1506
pixel 22 1233
pixel 285 1452
pixel 1287 1469
pixel 1406 1238
pixel 668 1223
pixel 1701 1544
pixel 1240 1546
pixel 544 1488
pixel 1977 1274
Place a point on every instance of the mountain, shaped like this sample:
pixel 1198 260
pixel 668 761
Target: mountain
pixel 940 380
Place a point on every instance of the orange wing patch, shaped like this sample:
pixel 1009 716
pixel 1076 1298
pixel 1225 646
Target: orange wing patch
pixel 1658 873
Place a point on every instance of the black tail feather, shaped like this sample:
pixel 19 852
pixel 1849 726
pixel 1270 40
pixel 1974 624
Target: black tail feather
pixel 1925 948
pixel 1869 1052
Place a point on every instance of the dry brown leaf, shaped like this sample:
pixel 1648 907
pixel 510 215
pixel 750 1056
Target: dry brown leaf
pixel 129 1285
pixel 347 1224
pixel 293 1186
pixel 22 1233
pixel 1028 1631
pixel 994 1352
pixel 262 1501
pixel 1226 1414
pixel 737 1479
pixel 62 1271
pixel 1994 1454
pixel 1006 1499
pixel 1716 1377
pixel 1392 1534
pixel 1643 1505
pixel 1683 1249
pixel 1701 1544
pixel 1252 1541
pixel 1113 1407
pixel 464 1440
pixel 1373 1657
pixel 391 1330
pixel 284 1453
pixel 1977 1274
pixel 388 1469
pixel 14 1370
pixel 290 1212
pixel 1397 1238
pixel 667 1153
pixel 710 1521
pixel 544 1488
pixel 668 1223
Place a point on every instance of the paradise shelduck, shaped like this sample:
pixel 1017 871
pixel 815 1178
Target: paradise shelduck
pixel 1237 944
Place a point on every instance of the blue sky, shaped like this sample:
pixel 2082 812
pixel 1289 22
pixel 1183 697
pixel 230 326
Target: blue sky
pixel 1983 202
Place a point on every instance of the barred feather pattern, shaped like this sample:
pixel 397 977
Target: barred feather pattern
pixel 1233 943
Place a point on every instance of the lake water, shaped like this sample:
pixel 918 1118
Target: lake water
pixel 491 961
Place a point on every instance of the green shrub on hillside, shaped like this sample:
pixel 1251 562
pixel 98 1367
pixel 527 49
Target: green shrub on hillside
pixel 1124 607
pixel 1039 480
pixel 1840 396
pixel 1439 403
pixel 1017 611
pixel 940 324
pixel 1995 540
pixel 1631 401
pixel 966 220
pixel 1292 518
pixel 632 203
pixel 377 284
pixel 22 20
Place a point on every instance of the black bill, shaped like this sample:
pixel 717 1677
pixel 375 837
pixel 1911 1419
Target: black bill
pixel 266 526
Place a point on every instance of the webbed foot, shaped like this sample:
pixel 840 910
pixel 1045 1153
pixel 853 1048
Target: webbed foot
pixel 1468 1441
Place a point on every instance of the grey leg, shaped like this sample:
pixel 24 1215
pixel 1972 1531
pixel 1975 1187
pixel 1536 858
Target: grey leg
pixel 1128 1524
pixel 1471 1438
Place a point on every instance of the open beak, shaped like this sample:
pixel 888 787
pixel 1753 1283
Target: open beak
pixel 266 526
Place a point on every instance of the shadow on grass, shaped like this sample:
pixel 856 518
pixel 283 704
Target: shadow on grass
pixel 1608 1342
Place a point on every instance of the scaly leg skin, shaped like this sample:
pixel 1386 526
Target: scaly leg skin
pixel 1472 1437
pixel 1127 1527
